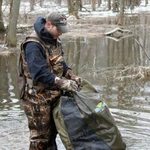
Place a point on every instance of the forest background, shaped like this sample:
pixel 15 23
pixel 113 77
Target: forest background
pixel 17 16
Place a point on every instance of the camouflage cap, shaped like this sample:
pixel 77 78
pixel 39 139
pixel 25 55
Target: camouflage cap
pixel 59 20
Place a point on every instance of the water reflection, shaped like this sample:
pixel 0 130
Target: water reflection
pixel 8 82
pixel 129 103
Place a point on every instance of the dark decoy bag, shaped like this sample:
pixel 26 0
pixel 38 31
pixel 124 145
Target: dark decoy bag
pixel 84 122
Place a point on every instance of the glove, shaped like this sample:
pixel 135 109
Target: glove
pixel 68 85
pixel 70 75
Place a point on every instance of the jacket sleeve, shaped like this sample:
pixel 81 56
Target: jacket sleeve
pixel 36 61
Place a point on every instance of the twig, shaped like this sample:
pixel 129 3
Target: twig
pixel 86 9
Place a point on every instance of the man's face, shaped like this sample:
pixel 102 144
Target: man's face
pixel 53 30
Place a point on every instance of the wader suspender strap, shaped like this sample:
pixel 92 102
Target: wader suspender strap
pixel 45 48
pixel 21 70
pixel 47 59
pixel 22 80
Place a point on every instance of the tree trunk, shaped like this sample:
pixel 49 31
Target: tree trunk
pixel 73 6
pixel 32 3
pixel 41 3
pixel 93 5
pixel 146 2
pixel 76 8
pixel 80 5
pixel 115 6
pixel 109 4
pixel 70 7
pixel 58 2
pixel 2 28
pixel 12 29
pixel 121 18
pixel 99 2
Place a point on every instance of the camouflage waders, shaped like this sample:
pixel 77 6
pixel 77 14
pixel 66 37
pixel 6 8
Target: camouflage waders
pixel 40 123
pixel 38 100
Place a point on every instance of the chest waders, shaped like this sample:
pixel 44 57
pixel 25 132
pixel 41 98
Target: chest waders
pixel 39 99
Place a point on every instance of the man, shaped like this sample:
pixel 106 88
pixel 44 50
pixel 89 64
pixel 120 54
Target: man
pixel 43 66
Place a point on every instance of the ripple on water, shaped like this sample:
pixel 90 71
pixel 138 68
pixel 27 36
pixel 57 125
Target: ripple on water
pixel 14 131
pixel 134 126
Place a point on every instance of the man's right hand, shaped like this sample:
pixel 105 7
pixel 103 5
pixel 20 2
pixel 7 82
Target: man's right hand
pixel 68 85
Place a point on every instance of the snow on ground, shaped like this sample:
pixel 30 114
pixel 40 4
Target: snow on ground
pixel 27 17
pixel 49 7
pixel 100 12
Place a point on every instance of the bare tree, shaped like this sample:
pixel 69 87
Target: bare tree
pixel 2 28
pixel 32 3
pixel 70 7
pixel 81 5
pixel 109 4
pixel 121 18
pixel 41 3
pixel 132 3
pixel 12 29
pixel 115 5
pixel 59 2
pixel 146 2
pixel 73 6
pixel 99 2
pixel 93 5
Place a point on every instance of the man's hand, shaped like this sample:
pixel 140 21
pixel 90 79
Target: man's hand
pixel 70 75
pixel 77 79
pixel 68 85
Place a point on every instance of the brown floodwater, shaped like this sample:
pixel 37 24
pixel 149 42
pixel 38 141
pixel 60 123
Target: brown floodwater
pixel 129 102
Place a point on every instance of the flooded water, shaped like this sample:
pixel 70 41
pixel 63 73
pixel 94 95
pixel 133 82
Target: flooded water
pixel 129 103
